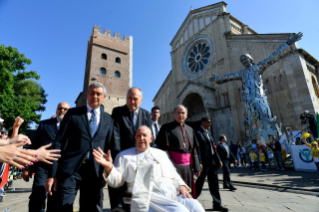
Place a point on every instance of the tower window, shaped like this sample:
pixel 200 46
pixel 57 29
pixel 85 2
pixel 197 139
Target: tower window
pixel 118 60
pixel 103 57
pixel 117 74
pixel 103 71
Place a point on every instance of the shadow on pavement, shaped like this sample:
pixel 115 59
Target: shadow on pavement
pixel 19 190
pixel 286 178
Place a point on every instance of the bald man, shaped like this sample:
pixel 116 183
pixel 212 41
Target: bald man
pixel 45 134
pixel 127 119
pixel 179 141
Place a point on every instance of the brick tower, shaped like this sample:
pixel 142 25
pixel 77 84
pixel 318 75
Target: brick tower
pixel 108 61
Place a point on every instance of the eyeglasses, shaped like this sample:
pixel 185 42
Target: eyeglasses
pixel 209 122
pixel 3 133
pixel 63 108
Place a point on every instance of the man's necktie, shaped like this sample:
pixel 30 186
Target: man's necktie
pixel 93 123
pixel 156 129
pixel 134 118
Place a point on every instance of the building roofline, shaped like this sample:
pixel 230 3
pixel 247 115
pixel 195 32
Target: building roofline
pixel 242 24
pixel 194 12
pixel 78 97
pixel 309 56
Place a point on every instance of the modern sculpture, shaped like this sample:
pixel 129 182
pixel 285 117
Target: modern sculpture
pixel 258 117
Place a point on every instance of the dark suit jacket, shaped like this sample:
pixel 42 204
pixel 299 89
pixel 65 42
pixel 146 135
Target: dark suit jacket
pixel 153 132
pixel 208 160
pixel 45 134
pixel 223 152
pixel 124 130
pixel 75 141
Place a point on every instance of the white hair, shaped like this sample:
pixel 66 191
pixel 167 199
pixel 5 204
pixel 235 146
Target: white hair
pixel 97 84
pixel 178 106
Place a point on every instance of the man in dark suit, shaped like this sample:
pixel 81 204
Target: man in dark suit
pixel 127 119
pixel 45 134
pixel 82 130
pixel 156 113
pixel 225 154
pixel 210 163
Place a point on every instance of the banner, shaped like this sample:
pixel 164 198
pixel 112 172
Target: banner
pixel 303 161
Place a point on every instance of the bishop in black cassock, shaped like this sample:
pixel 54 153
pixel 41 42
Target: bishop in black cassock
pixel 179 141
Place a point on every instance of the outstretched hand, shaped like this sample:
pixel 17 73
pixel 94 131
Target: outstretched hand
pixel 20 139
pixel 46 155
pixel 104 159
pixel 15 156
pixel 292 39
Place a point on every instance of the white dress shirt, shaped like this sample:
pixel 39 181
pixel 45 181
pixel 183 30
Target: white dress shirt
pixel 135 117
pixel 97 112
pixel 58 122
pixel 153 128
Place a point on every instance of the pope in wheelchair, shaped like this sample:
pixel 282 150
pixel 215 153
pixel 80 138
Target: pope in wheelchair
pixel 149 175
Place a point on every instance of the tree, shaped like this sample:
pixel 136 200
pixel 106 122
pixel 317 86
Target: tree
pixel 20 94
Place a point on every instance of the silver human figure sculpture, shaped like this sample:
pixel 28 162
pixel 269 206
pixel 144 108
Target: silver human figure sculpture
pixel 258 117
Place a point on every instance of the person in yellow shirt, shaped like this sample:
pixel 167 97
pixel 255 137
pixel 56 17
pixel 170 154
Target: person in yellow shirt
pixel 262 160
pixel 315 153
pixel 253 159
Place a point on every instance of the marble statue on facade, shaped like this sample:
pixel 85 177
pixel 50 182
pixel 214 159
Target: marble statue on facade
pixel 258 116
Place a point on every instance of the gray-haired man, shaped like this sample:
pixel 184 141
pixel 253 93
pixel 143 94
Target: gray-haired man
pixel 81 130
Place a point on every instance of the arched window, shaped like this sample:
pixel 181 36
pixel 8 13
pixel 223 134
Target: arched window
pixel 103 56
pixel 117 74
pixel 103 71
pixel 315 86
pixel 118 60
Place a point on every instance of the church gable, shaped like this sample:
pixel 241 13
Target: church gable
pixel 196 21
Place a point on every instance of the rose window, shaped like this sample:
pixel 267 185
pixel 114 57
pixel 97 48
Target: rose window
pixel 198 57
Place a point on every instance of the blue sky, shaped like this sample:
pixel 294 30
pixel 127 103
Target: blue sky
pixel 54 35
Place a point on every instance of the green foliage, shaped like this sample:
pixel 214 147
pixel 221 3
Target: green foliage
pixel 20 94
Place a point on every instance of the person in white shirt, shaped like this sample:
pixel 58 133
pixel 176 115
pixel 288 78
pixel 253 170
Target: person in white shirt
pixel 149 175
pixel 242 154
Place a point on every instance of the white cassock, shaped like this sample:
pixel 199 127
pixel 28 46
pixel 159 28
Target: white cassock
pixel 156 181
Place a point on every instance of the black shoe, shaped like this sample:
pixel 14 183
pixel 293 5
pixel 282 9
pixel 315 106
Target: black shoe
pixel 220 208
pixel 226 187
pixel 232 188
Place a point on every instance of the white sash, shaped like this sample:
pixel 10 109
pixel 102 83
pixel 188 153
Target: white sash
pixel 143 187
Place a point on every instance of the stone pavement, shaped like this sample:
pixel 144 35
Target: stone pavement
pixel 244 199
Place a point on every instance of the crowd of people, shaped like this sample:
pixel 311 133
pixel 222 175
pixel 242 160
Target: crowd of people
pixel 147 166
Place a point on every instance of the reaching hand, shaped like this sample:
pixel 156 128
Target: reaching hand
pixel 221 164
pixel 20 139
pixel 201 167
pixel 292 39
pixel 27 174
pixel 16 157
pixel 197 174
pixel 18 122
pixel 45 155
pixel 182 190
pixel 104 159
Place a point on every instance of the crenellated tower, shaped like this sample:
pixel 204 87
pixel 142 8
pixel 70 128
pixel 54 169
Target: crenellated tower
pixel 109 60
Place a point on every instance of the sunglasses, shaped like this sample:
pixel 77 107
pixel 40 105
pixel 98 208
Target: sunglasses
pixel 3 133
pixel 62 108
pixel 209 122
